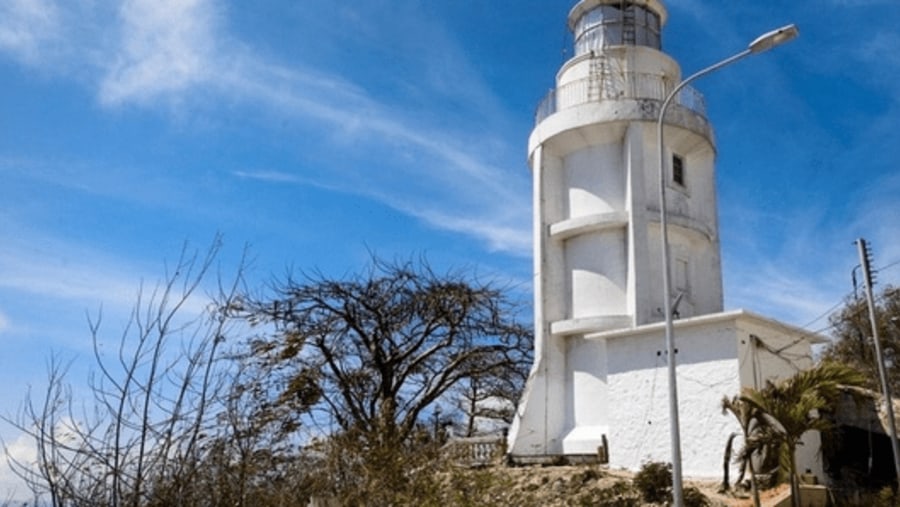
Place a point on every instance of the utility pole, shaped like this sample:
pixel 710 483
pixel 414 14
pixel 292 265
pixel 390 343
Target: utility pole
pixel 437 423
pixel 865 262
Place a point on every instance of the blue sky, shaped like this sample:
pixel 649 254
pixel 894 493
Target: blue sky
pixel 317 132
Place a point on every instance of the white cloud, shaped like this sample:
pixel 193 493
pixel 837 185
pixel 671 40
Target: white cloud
pixel 862 3
pixel 694 8
pixel 166 47
pixel 22 450
pixel 879 50
pixel 268 176
pixel 446 169
pixel 502 229
pixel 446 172
pixel 500 235
pixel 876 220
pixel 785 293
pixel 27 27
pixel 162 51
pixel 52 268
pixel 803 272
pixel 61 270
pixel 279 177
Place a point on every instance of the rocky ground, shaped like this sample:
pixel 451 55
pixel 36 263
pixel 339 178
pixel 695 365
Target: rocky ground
pixel 567 485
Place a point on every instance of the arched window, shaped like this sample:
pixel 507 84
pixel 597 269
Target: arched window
pixel 624 23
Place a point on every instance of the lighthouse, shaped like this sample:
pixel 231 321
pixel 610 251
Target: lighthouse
pixel 593 160
pixel 597 389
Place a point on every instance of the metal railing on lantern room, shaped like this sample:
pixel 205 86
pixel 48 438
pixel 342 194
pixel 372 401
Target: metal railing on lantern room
pixel 616 86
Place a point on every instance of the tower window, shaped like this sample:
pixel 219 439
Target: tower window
pixel 681 275
pixel 678 170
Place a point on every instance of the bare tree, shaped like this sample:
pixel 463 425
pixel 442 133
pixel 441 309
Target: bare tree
pixel 853 337
pixel 371 352
pixel 491 397
pixel 176 418
pixel 140 439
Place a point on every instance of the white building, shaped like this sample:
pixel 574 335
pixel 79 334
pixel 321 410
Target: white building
pixel 599 383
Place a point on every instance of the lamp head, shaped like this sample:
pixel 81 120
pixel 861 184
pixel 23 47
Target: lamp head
pixel 774 38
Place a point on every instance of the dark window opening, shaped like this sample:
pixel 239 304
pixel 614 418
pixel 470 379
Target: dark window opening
pixel 678 170
pixel 859 457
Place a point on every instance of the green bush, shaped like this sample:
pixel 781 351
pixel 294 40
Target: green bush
pixel 654 481
pixel 587 475
pixel 620 494
pixel 694 498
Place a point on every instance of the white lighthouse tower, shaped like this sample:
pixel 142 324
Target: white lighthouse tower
pixel 593 156
pixel 598 389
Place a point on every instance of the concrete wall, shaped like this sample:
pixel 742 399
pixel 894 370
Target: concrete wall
pixel 769 352
pixel 587 408
pixel 713 362
pixel 594 180
pixel 596 261
pixel 638 381
pixel 615 385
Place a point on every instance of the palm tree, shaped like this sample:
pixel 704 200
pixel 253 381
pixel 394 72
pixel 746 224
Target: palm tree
pixel 747 416
pixel 797 405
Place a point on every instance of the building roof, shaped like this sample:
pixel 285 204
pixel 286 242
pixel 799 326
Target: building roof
pixel 701 320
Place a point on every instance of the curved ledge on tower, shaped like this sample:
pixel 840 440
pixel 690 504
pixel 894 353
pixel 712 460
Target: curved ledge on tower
pixel 580 124
pixel 584 325
pixel 682 222
pixel 588 223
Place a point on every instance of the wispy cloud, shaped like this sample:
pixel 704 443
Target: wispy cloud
pixel 879 50
pixel 501 229
pixel 505 234
pixel 695 8
pixel 446 168
pixel 861 3
pixel 806 270
pixel 53 268
pixel 269 176
pixel 21 449
pixel 27 27
pixel 166 47
pixel 177 51
pixel 786 293
pixel 878 209
pixel 74 281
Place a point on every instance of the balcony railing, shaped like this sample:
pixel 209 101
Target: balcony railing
pixel 475 451
pixel 616 86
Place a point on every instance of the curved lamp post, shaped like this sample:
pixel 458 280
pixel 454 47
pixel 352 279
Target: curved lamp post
pixel 762 43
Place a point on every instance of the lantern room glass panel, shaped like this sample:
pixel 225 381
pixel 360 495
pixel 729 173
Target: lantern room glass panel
pixel 622 24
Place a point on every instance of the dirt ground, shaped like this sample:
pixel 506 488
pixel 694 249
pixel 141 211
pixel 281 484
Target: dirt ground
pixel 574 485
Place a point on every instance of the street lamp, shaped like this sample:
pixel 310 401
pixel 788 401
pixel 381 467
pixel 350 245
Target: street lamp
pixel 762 43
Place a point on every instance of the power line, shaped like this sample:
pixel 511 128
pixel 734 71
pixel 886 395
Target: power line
pixel 842 301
